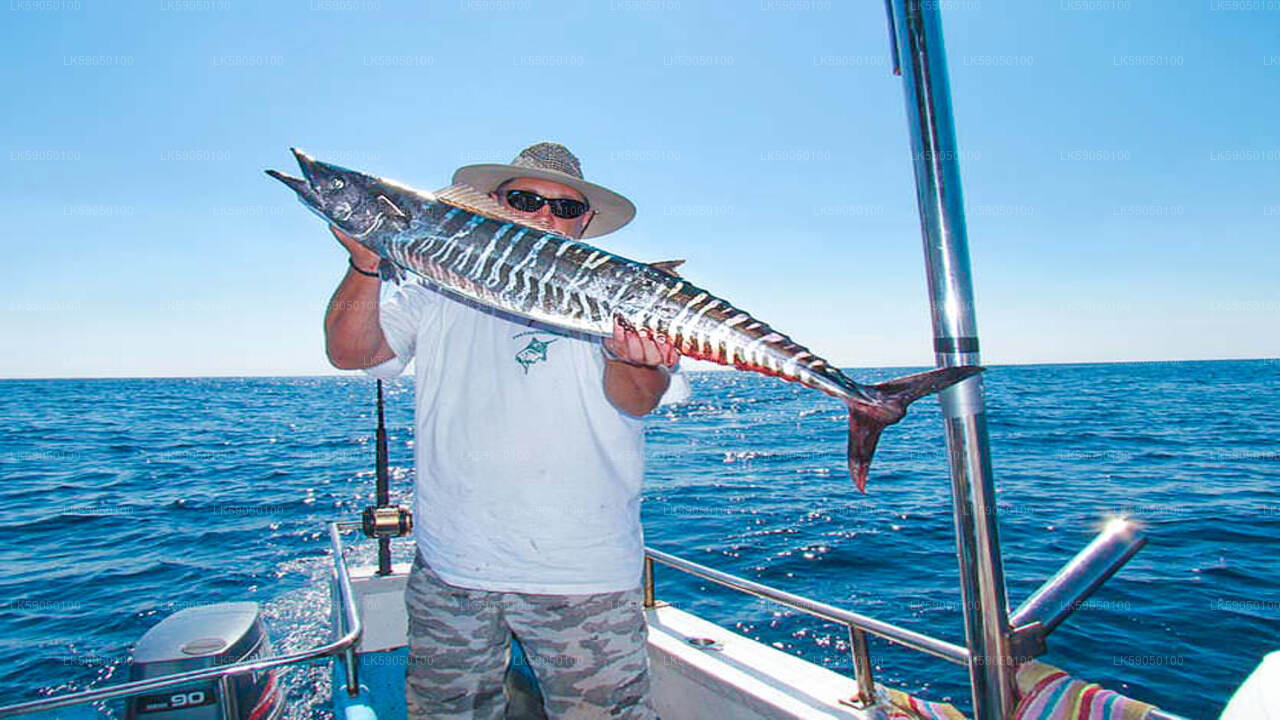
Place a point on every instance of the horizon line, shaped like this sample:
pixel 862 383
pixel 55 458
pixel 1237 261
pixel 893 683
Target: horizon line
pixel 711 369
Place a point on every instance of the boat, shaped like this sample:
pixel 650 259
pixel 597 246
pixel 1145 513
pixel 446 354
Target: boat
pixel 214 662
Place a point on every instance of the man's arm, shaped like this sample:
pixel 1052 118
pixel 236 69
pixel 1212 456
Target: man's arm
pixel 353 336
pixel 636 382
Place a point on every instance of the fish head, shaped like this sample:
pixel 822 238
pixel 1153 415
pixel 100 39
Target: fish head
pixel 354 202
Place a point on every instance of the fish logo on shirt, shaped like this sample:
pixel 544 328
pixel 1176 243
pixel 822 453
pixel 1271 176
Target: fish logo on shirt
pixel 533 353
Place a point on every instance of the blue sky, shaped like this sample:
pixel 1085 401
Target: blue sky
pixel 1120 161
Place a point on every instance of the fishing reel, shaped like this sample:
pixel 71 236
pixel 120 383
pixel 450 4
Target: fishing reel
pixel 386 521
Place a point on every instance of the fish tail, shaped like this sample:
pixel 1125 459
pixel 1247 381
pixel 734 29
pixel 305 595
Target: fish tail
pixel 867 418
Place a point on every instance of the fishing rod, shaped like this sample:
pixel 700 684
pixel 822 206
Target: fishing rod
pixel 384 521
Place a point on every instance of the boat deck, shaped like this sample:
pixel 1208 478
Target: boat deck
pixel 694 664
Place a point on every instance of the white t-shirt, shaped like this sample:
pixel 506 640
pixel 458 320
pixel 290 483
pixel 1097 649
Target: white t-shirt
pixel 528 479
pixel 1258 698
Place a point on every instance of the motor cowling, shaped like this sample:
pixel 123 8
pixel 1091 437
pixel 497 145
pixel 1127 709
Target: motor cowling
pixel 197 638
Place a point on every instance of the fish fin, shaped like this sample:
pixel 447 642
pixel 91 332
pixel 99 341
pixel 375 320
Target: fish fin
pixel 667 266
pixel 472 200
pixel 392 213
pixel 390 271
pixel 891 398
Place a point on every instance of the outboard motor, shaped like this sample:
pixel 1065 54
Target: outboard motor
pixel 202 637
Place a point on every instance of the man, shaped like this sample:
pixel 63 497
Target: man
pixel 529 456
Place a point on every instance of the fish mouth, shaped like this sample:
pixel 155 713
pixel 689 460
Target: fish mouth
pixel 306 163
pixel 305 188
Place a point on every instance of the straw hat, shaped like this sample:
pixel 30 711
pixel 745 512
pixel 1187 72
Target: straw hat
pixel 552 161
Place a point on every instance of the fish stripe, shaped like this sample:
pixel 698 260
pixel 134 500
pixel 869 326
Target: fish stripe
pixel 677 323
pixel 495 275
pixel 518 274
pixel 478 269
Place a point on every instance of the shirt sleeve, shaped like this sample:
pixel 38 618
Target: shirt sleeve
pixel 401 316
pixel 678 390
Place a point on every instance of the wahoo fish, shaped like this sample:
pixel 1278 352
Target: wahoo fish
pixel 467 244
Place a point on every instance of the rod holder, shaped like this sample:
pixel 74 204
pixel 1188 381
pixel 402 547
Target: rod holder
pixel 1054 601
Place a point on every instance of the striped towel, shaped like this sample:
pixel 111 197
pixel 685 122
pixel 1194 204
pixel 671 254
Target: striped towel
pixel 905 707
pixel 1047 693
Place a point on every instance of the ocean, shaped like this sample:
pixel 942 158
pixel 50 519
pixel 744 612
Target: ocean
pixel 124 500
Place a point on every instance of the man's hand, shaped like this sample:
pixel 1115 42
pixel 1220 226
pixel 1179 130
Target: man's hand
pixel 638 348
pixel 363 257
pixel 353 337
pixel 636 380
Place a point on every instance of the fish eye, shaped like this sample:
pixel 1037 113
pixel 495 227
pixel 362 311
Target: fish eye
pixel 337 183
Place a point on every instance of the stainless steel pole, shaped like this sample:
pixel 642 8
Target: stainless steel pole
pixel 917 30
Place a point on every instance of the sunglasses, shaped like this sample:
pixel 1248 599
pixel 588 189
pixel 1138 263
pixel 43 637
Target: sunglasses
pixel 530 202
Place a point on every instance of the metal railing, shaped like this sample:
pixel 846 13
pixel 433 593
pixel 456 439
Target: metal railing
pixel 1042 612
pixel 858 625
pixel 349 629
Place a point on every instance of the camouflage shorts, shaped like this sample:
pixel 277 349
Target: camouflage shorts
pixel 587 651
